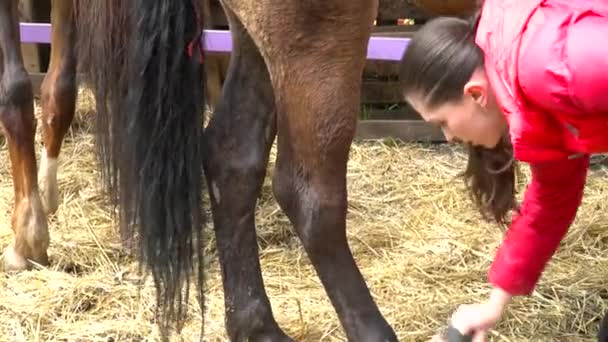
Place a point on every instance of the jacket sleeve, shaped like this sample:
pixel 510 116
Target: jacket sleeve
pixel 548 209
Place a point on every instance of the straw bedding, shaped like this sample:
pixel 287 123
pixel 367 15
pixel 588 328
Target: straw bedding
pixel 420 245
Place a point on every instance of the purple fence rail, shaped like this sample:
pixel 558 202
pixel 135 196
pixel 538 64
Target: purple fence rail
pixel 379 48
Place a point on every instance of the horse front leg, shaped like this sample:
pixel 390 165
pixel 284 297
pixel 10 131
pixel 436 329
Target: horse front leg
pixel 58 99
pixel 238 141
pixel 602 335
pixel 18 123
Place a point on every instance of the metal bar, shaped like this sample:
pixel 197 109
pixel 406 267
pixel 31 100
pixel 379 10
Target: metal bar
pixel 379 48
pixel 35 33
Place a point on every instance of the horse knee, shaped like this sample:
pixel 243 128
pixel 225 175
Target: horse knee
pixel 324 227
pixel 236 177
pixel 252 166
pixel 58 95
pixel 58 99
pixel 59 85
pixel 17 88
pixel 317 212
pixel 16 105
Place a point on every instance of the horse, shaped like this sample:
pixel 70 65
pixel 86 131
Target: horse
pixel 58 95
pixel 36 197
pixel 294 75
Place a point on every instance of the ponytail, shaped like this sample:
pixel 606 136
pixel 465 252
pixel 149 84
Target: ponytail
pixel 491 174
pixel 490 177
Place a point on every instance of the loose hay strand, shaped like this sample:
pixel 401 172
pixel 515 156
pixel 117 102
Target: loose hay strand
pixel 420 244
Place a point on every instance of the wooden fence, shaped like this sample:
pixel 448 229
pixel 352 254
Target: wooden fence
pixel 383 113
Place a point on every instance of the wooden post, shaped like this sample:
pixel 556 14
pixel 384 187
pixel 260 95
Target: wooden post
pixel 31 55
pixel 35 56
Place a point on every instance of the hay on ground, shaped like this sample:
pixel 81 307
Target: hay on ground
pixel 415 235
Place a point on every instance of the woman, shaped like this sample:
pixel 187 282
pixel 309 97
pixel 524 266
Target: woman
pixel 528 81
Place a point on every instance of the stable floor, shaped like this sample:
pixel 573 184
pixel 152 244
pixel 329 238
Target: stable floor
pixel 415 235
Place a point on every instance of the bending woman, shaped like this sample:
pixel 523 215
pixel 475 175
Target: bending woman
pixel 526 81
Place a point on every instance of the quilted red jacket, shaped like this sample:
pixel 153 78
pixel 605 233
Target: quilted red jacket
pixel 547 62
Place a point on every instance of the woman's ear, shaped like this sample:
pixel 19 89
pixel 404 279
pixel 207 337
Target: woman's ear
pixel 478 88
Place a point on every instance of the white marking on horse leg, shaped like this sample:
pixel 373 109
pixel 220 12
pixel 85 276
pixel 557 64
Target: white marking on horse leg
pixel 47 177
pixel 34 224
pixel 13 261
pixel 32 235
pixel 216 192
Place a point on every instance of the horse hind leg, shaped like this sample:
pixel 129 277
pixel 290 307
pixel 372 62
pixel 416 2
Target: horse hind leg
pixel 602 335
pixel 317 93
pixel 58 99
pixel 238 141
pixel 309 184
pixel 18 122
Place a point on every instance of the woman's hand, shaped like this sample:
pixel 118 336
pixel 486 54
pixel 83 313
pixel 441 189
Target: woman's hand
pixel 477 319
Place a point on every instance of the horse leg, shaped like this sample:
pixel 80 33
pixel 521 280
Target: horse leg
pixel 309 183
pixel 19 125
pixel 317 87
pixel 238 140
pixel 602 335
pixel 58 99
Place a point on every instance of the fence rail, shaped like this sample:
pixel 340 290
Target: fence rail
pixel 380 49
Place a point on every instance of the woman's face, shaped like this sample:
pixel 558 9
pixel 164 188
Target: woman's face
pixel 475 118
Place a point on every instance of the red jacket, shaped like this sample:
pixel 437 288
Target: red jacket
pixel 547 62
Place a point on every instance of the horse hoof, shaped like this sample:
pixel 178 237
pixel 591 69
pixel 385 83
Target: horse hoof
pixel 13 262
pixel 275 336
pixel 602 335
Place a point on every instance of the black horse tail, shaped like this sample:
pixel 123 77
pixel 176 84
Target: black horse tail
pixel 143 60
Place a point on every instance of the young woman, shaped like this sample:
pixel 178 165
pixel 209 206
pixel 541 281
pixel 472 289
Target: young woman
pixel 527 81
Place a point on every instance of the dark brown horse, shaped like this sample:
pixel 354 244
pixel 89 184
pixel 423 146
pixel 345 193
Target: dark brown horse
pixel 295 73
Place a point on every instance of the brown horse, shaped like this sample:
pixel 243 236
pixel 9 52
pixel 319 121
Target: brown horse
pixel 35 197
pixel 18 123
pixel 295 73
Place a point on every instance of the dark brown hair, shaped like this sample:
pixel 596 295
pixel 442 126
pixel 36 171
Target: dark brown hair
pixel 491 178
pixel 439 60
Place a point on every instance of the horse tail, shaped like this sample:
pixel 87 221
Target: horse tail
pixel 137 56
